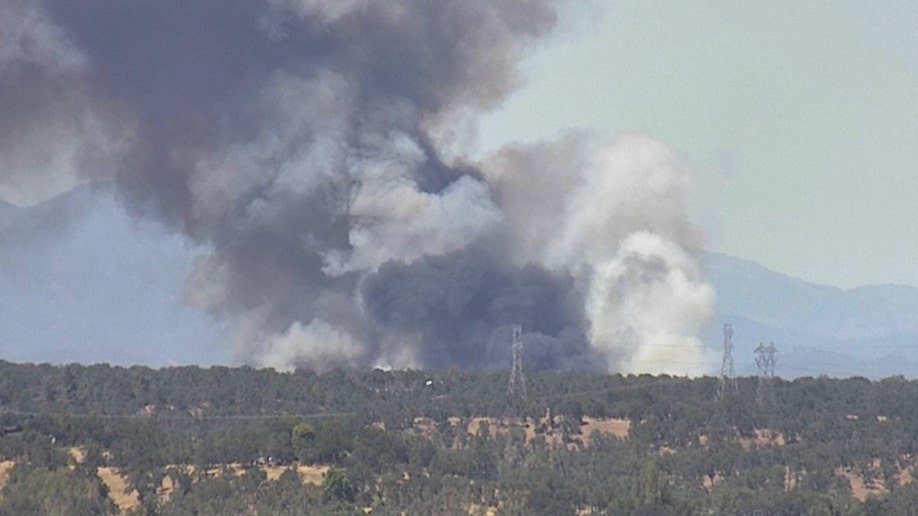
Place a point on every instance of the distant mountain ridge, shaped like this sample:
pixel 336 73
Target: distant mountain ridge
pixel 866 331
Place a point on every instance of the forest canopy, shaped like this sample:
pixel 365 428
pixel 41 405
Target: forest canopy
pixel 241 440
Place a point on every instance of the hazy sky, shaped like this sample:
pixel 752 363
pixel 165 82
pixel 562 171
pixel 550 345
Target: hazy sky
pixel 107 289
pixel 799 118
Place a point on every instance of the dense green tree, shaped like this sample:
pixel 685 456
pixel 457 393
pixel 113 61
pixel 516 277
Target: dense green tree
pixel 337 486
pixel 52 492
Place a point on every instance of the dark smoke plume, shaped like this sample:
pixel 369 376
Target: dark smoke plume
pixel 306 142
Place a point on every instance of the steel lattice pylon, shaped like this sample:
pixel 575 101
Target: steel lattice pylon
pixel 765 362
pixel 727 374
pixel 517 385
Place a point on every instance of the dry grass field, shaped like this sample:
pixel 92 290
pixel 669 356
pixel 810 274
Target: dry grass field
pixel 117 485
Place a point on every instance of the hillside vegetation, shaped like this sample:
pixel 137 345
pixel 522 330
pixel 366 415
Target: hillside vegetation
pixel 102 440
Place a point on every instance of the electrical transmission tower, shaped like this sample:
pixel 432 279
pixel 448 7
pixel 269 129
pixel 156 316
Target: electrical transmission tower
pixel 765 363
pixel 517 386
pixel 726 369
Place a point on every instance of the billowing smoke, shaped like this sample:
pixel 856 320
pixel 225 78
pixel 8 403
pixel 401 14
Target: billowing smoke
pixel 312 146
pixel 614 219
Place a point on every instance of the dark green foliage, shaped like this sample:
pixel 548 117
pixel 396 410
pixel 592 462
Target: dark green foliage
pixel 397 442
pixel 54 491
pixel 231 494
pixel 337 487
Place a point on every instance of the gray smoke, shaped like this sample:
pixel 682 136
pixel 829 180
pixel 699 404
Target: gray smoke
pixel 311 145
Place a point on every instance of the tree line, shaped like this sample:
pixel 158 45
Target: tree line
pixel 404 442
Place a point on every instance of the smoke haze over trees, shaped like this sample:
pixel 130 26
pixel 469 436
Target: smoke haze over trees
pixel 316 149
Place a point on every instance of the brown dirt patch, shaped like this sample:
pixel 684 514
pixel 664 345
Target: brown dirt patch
pixel 77 454
pixel 424 427
pixel 620 428
pixel 708 482
pixel 117 485
pixel 217 472
pixel 552 436
pixel 495 426
pixel 308 474
pixel 312 474
pixel 5 468
pixel 763 438
pixel 166 489
pixel 905 476
pixel 667 450
pixel 861 490
pixel 479 510
pixel 274 472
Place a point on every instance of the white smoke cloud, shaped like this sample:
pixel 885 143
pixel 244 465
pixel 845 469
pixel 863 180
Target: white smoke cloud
pixel 318 346
pixel 637 184
pixel 327 10
pixel 615 217
pixel 392 220
pixel 647 304
pixel 534 185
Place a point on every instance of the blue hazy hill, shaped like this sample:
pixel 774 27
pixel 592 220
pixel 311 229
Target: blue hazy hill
pixel 867 331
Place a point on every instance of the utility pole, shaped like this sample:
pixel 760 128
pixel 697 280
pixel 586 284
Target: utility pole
pixel 726 369
pixel 517 385
pixel 765 363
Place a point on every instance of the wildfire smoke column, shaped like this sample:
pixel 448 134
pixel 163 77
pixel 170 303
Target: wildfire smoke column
pixel 305 144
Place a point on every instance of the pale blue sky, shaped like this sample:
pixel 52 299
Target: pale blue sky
pixel 107 289
pixel 799 118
